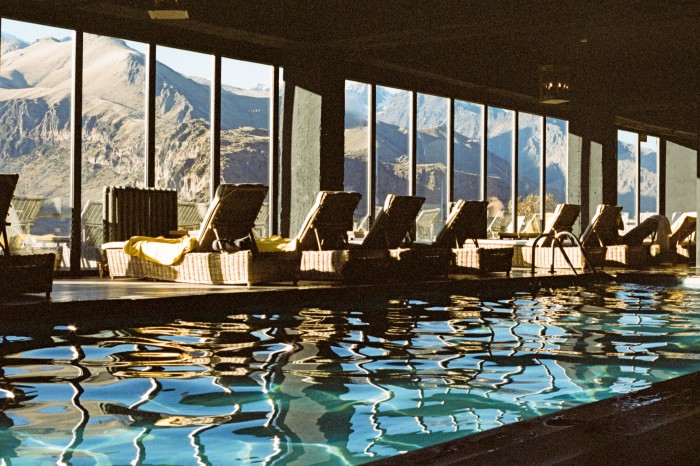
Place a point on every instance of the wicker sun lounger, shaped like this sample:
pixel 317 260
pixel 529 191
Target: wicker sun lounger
pixel 25 273
pixel 393 229
pixel 465 225
pixel 323 242
pixel 682 238
pixel 628 250
pixel 231 216
pixel 557 247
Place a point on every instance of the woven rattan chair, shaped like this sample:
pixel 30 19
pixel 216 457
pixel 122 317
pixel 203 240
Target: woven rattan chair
pixel 326 226
pixel 8 183
pixel 465 225
pixel 394 230
pixel 26 273
pixel 395 224
pixel 327 255
pixel 630 249
pixel 230 217
pixel 558 247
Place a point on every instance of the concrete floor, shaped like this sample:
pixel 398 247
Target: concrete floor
pixel 659 425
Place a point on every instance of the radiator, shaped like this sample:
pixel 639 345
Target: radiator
pixel 138 212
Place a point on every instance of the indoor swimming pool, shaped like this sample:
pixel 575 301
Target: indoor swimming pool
pixel 341 383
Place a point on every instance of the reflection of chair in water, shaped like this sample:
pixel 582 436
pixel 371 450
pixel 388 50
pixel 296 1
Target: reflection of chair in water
pixel 425 223
pixel 91 219
pixel 499 224
pixel 262 220
pixel 93 232
pixel 27 209
pixel 531 226
pixel 188 215
pixel 363 223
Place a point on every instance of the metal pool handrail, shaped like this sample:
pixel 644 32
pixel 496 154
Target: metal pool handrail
pixel 556 240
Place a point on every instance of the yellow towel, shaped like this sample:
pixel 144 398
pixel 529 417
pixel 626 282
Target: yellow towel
pixel 274 243
pixel 166 251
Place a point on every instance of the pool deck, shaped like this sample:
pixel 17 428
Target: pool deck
pixel 658 425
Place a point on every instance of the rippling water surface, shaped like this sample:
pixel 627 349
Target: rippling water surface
pixel 339 384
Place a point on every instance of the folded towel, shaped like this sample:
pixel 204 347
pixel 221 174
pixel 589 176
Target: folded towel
pixel 274 243
pixel 166 251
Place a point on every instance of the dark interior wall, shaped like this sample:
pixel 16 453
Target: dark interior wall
pixel 313 146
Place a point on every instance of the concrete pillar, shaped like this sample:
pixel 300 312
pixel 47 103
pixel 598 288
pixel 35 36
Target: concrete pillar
pixel 313 144
pixel 574 176
pixel 592 151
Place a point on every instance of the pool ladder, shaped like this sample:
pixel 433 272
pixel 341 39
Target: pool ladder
pixel 556 241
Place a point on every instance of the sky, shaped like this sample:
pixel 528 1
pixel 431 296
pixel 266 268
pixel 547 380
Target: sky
pixel 236 73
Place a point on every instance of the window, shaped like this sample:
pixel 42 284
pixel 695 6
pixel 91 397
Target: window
pixel 627 176
pixel 529 172
pixel 113 129
pixel 431 164
pixel 468 135
pixel 246 96
pixel 500 133
pixel 183 102
pixel 648 177
pixel 556 158
pixel 392 119
pixel 35 123
pixel 357 147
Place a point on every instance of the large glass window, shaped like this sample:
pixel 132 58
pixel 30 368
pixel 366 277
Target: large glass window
pixel 529 172
pixel 557 157
pixel 392 120
pixel 431 164
pixel 36 76
pixel 183 102
pixel 627 145
pixel 113 129
pixel 357 147
pixel 500 132
pixel 648 177
pixel 246 96
pixel 468 131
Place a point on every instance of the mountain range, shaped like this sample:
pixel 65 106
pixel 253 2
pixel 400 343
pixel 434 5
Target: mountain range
pixel 35 97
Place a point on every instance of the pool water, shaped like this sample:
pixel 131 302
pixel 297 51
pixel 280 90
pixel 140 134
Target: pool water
pixel 338 384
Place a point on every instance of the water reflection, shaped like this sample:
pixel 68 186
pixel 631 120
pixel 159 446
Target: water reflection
pixel 341 384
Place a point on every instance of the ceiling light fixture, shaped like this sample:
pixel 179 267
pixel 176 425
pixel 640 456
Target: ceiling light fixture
pixel 555 87
pixel 168 9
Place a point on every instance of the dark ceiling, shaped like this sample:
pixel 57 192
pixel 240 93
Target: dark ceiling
pixel 636 60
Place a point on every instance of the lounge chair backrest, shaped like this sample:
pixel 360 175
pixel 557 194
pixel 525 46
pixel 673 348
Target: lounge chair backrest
pixel 394 223
pixel 91 222
pixel 327 224
pixel 231 214
pixel 188 215
pixel 466 221
pixel 499 223
pixel 563 218
pixel 604 227
pixel 683 227
pixel 8 183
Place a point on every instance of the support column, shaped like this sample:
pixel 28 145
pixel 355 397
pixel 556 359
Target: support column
pixel 594 136
pixel 314 147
